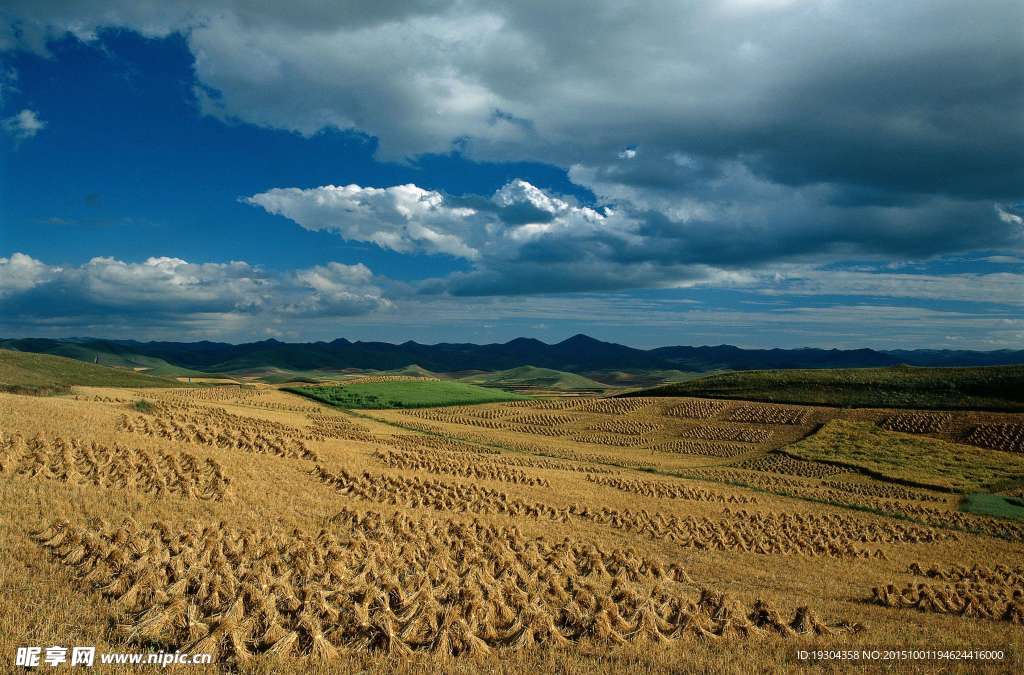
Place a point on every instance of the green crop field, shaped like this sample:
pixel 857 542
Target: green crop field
pixel 988 388
pixel 909 458
pixel 405 394
pixel 993 505
pixel 28 373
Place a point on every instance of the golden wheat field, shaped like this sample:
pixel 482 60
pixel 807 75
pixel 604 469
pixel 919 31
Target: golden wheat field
pixel 576 535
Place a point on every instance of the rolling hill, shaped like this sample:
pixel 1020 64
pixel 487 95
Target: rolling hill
pixel 412 371
pixel 100 353
pixel 987 388
pixel 28 373
pixel 531 377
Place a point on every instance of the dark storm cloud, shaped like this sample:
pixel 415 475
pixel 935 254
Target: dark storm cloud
pixel 902 97
pixel 518 213
pixel 910 97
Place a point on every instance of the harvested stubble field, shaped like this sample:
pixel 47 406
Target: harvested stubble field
pixel 580 536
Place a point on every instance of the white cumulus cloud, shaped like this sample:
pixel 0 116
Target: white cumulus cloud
pixel 21 272
pixel 173 289
pixel 403 218
pixel 338 290
pixel 23 125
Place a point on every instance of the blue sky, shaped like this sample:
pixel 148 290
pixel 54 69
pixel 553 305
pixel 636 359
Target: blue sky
pixel 472 172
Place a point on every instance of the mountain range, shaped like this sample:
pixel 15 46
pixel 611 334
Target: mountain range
pixel 578 354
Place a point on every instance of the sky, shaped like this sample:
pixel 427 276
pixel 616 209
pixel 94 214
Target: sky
pixel 764 173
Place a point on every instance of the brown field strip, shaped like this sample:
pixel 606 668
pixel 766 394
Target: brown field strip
pixel 571 534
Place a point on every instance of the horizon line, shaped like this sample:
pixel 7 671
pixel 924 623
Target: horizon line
pixel 515 339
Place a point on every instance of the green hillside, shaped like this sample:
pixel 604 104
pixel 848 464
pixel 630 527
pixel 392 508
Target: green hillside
pixel 412 371
pixel 979 388
pixel 531 377
pixel 283 376
pixel 104 354
pixel 27 373
pixel 909 458
pixel 404 394
pixel 642 377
